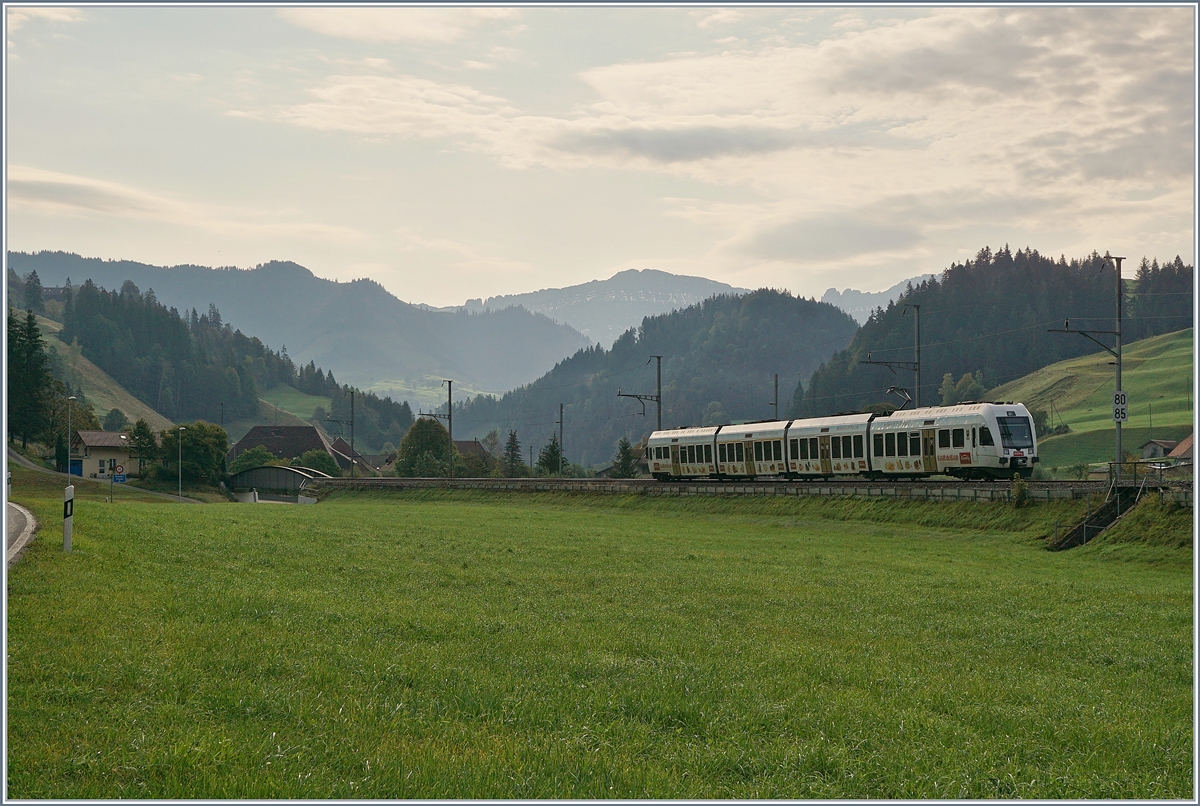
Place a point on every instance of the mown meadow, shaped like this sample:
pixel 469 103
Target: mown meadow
pixel 454 645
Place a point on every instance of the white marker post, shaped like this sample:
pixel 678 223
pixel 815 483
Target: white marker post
pixel 68 515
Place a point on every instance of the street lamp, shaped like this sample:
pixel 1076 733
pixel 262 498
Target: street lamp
pixel 69 399
pixel 181 430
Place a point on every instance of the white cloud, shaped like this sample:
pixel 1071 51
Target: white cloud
pixel 724 16
pixel 59 193
pixel 401 105
pixel 429 25
pixel 18 16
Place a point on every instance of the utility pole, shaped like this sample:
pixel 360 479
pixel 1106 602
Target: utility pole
pixel 775 402
pixel 1120 411
pixel 352 459
pixel 916 347
pixel 658 388
pixel 450 423
pixel 560 439
pixel 656 398
pixel 914 365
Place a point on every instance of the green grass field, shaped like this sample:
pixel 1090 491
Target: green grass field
pixel 1156 374
pixel 294 402
pixel 459 645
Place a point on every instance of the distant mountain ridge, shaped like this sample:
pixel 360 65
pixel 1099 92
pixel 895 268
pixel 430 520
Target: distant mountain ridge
pixel 719 359
pixel 604 309
pixel 358 329
pixel 860 304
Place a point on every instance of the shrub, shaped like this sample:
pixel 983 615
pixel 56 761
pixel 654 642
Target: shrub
pixel 1020 491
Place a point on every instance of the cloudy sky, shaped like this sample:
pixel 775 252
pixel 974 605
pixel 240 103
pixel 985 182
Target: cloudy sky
pixel 465 152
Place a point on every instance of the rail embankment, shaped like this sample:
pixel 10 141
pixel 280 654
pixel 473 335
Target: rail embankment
pixel 927 490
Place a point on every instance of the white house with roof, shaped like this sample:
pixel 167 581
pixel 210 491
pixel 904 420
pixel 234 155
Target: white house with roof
pixel 97 454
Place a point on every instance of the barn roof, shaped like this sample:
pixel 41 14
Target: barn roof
pixel 1183 450
pixel 284 441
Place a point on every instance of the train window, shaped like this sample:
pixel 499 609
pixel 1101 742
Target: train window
pixel 777 451
pixel 902 445
pixel 708 454
pixel 944 438
pixel 814 450
pixel 858 446
pixel 689 455
pixel 758 452
pixel 914 444
pixel 985 436
pixel 803 449
pixel 972 437
pixel 890 444
pixel 877 440
pixel 958 438
pixel 836 445
pixel 721 452
pixel 741 455
pixel 795 449
pixel 846 449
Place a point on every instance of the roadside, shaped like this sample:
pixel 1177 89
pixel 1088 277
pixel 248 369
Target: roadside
pixel 21 526
pixel 17 458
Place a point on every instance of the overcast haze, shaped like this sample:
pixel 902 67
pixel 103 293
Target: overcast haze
pixel 454 153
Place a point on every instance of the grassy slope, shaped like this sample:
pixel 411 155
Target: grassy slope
pixel 466 645
pixel 281 405
pixel 101 390
pixel 294 401
pixel 1155 372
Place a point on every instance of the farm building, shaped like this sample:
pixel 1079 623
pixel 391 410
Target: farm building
pixel 1182 452
pixel 1157 448
pixel 286 442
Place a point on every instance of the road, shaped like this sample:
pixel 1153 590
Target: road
pixel 13 456
pixel 16 525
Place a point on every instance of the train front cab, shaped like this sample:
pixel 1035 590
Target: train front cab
pixel 975 440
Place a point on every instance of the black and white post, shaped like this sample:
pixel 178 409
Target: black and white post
pixel 181 430
pixel 68 515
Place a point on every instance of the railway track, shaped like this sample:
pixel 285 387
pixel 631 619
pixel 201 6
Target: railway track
pixel 930 490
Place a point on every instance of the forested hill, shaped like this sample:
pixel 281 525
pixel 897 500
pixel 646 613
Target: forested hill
pixel 194 366
pixel 375 340
pixel 989 317
pixel 718 360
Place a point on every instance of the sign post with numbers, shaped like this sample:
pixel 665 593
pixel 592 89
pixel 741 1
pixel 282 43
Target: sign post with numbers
pixel 68 515
pixel 1120 407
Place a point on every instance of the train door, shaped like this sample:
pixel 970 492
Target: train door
pixel 751 468
pixel 676 470
pixel 929 449
pixel 826 461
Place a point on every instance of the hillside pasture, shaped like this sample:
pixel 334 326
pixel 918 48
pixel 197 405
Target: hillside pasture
pixel 466 645
pixel 1156 372
pixel 98 386
pixel 293 401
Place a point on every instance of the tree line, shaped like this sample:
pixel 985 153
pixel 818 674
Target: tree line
pixel 195 366
pixel 985 322
pixel 719 359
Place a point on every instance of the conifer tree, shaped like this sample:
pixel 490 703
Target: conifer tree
pixel 624 464
pixel 513 466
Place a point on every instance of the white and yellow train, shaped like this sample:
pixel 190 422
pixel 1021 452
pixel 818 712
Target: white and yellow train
pixel 968 440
